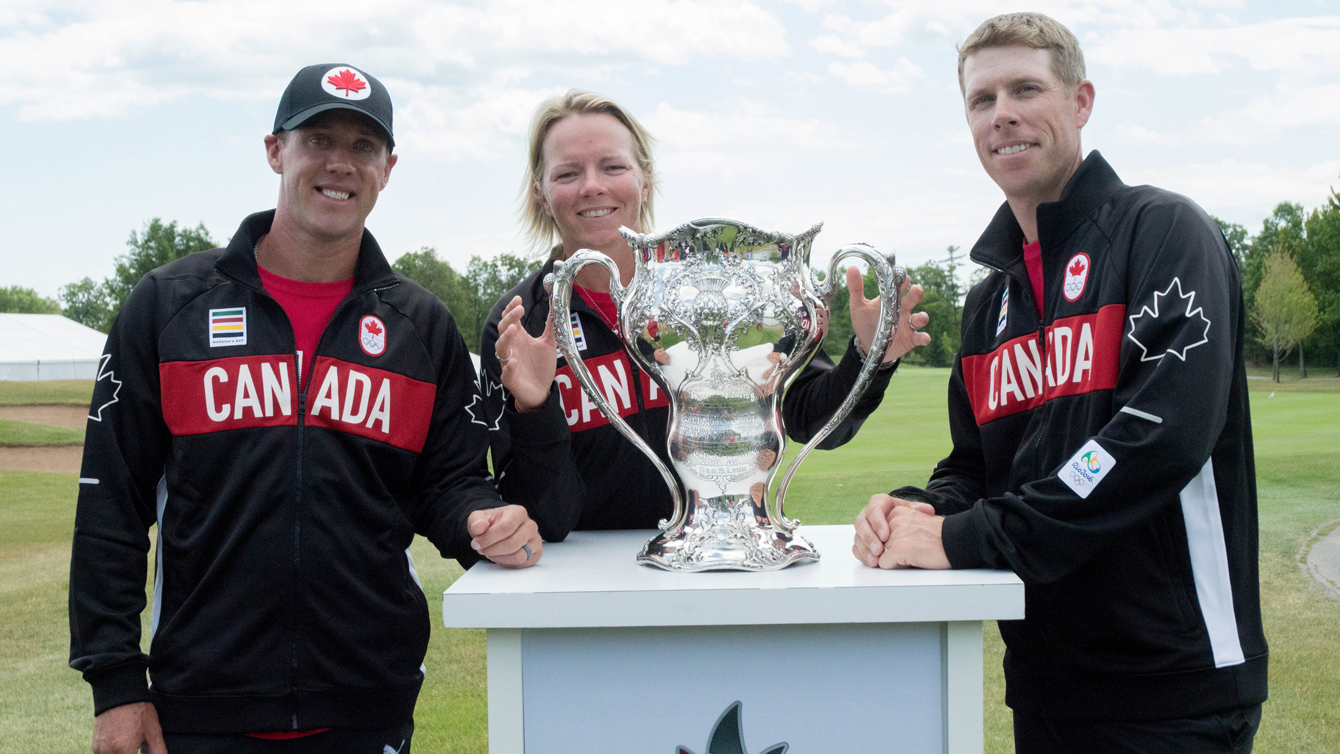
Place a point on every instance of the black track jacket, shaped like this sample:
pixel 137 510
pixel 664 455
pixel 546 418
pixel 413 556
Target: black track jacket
pixel 573 470
pixel 284 595
pixel 1104 454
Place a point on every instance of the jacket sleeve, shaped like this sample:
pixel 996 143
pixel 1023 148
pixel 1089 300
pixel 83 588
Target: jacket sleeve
pixel 125 447
pixel 1180 335
pixel 533 464
pixel 960 479
pixel 822 387
pixel 452 471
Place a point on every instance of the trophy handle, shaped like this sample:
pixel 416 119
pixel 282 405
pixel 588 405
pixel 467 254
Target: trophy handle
pixel 559 284
pixel 890 279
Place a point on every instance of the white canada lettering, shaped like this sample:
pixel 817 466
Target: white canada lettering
pixel 216 414
pixel 329 395
pixel 992 398
pixel 587 407
pixel 1061 353
pixel 246 394
pixel 275 389
pixel 565 382
pixel 381 409
pixel 1007 381
pixel 615 386
pixel 1084 354
pixel 357 396
pixel 351 391
pixel 1030 369
pixel 1077 355
pixel 1047 362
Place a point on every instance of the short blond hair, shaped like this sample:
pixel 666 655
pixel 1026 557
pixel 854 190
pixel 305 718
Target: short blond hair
pixel 1028 30
pixel 540 226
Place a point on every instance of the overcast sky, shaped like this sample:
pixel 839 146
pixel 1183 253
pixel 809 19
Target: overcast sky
pixel 781 114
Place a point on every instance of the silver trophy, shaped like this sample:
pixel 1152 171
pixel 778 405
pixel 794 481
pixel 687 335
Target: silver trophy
pixel 724 316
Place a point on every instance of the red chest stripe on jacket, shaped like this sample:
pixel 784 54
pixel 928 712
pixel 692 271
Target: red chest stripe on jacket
pixel 233 393
pixel 1081 354
pixel 370 402
pixel 613 374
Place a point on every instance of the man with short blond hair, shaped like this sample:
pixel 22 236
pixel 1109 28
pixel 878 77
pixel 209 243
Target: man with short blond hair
pixel 1102 442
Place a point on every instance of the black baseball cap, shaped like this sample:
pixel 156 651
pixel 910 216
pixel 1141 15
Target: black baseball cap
pixel 333 86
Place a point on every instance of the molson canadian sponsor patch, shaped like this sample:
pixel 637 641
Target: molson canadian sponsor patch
pixel 1076 355
pixel 260 391
pixel 614 376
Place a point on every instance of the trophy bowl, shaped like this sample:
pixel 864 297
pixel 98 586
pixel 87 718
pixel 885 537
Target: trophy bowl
pixel 724 316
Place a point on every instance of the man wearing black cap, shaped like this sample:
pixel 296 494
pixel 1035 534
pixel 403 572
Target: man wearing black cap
pixel 289 411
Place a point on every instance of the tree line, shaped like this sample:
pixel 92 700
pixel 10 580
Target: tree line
pixel 1290 272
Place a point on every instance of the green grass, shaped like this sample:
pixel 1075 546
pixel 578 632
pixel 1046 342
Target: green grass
pixel 24 433
pixel 66 392
pixel 46 707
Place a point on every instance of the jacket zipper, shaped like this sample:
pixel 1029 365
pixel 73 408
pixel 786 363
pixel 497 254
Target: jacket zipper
pixel 1041 333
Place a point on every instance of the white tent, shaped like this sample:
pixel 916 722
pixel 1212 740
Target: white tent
pixel 48 347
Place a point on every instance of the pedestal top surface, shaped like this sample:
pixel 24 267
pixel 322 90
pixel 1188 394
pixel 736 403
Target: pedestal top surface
pixel 593 579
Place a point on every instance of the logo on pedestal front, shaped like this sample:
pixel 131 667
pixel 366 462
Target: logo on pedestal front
pixel 727 736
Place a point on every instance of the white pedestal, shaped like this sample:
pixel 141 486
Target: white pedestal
pixel 589 652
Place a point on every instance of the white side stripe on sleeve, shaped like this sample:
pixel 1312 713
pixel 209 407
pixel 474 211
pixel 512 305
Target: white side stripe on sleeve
pixel 1141 414
pixel 158 561
pixel 1209 566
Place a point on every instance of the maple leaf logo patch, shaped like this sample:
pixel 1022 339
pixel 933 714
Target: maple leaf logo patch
pixel 372 335
pixel 479 410
pixel 727 736
pixel 1173 326
pixel 1076 276
pixel 346 83
pixel 105 388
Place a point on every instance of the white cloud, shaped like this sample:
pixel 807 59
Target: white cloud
pixel 743 124
pixel 1292 104
pixel 1146 136
pixel 831 44
pixel 119 56
pixel 869 76
pixel 1237 187
pixel 811 6
pixel 912 22
pixel 1295 45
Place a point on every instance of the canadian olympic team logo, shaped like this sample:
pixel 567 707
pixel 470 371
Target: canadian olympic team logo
pixel 372 335
pixel 1076 275
pixel 346 83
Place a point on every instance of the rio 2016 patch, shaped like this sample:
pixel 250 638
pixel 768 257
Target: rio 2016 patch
pixel 346 83
pixel 1086 468
pixel 372 335
pixel 1076 275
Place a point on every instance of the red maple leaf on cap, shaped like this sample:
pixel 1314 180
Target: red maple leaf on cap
pixel 372 328
pixel 348 81
pixel 1077 268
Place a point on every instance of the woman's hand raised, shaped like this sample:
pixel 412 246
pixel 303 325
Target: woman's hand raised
pixel 865 318
pixel 527 363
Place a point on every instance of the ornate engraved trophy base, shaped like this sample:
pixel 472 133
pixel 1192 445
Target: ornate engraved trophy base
pixel 727 533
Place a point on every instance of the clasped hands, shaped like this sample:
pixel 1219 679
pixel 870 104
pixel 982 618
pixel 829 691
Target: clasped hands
pixel 896 533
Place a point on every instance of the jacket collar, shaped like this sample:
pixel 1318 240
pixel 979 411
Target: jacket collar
pixel 239 259
pixel 1001 244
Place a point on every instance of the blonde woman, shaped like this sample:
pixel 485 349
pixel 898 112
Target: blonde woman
pixel 590 171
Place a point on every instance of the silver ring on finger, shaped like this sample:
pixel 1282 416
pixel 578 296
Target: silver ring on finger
pixel 528 552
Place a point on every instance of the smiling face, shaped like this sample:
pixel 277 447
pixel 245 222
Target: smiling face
pixel 1025 125
pixel 590 183
pixel 332 168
